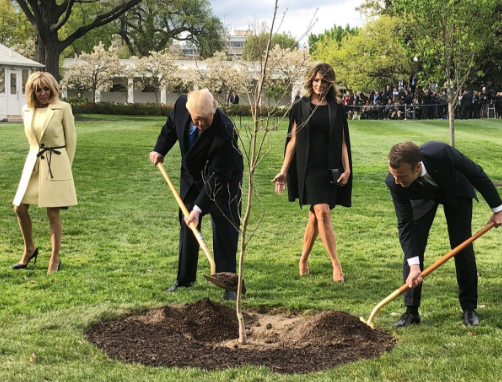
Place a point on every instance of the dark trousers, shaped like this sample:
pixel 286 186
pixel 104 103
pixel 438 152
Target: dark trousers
pixel 465 113
pixel 225 220
pixel 458 219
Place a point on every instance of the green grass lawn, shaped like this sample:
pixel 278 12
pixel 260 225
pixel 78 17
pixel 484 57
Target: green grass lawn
pixel 120 248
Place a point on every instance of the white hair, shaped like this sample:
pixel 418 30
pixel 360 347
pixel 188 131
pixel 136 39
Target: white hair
pixel 201 103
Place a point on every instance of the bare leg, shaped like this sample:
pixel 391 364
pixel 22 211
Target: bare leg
pixel 327 233
pixel 24 220
pixel 311 232
pixel 56 233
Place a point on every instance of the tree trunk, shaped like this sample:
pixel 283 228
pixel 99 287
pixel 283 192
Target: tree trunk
pixel 52 59
pixel 451 122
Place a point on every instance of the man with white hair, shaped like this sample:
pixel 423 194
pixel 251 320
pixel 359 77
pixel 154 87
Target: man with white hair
pixel 210 182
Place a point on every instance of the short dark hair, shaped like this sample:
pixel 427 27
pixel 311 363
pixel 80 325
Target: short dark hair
pixel 406 152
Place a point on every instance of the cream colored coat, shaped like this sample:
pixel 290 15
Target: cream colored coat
pixel 58 130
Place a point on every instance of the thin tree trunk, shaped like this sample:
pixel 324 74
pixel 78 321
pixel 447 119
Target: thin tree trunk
pixel 451 122
pixel 238 305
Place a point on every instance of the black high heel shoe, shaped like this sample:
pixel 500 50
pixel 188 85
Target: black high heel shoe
pixel 24 266
pixel 56 270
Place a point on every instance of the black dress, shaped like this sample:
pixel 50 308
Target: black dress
pixel 319 138
pixel 317 186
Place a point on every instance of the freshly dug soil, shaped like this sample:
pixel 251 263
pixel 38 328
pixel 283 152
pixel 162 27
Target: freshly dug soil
pixel 226 280
pixel 204 334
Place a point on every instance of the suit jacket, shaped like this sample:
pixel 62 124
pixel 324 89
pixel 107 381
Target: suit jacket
pixel 58 189
pixel 456 177
pixel 466 100
pixel 298 169
pixel 213 164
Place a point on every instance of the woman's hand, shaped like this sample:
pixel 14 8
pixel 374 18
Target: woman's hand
pixel 280 182
pixel 343 178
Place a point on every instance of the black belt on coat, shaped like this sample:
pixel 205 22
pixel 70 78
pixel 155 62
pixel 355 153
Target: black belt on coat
pixel 49 156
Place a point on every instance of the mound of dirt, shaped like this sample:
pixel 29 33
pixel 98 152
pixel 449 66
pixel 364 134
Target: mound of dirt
pixel 204 334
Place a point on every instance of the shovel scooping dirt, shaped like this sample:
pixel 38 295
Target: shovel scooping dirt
pixel 225 280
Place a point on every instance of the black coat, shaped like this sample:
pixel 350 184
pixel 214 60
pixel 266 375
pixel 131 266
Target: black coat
pixel 456 177
pixel 298 168
pixel 213 164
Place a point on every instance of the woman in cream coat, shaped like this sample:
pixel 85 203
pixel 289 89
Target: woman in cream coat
pixel 47 179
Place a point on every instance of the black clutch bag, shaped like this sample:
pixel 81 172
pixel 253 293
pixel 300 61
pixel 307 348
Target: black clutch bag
pixel 334 174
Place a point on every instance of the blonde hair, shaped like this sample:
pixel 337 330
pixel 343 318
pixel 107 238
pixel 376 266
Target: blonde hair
pixel 201 103
pixel 34 83
pixel 328 74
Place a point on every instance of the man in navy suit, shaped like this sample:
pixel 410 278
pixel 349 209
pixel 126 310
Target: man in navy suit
pixel 210 182
pixel 420 179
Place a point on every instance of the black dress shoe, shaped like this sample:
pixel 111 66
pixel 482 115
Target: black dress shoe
pixel 229 295
pixel 407 319
pixel 470 317
pixel 178 284
pixel 24 266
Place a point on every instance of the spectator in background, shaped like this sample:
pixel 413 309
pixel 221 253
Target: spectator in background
pixel 484 100
pixel 498 105
pixel 475 105
pixel 465 105
pixel 297 96
pixel 234 98
pixel 413 83
pixel 353 111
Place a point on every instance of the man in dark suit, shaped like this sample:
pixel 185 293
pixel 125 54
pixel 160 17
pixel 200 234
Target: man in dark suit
pixel 420 179
pixel 234 98
pixel 465 105
pixel 210 182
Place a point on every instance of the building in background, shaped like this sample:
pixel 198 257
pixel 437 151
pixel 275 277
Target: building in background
pixel 14 72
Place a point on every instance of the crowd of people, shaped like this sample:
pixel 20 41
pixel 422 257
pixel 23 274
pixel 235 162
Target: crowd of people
pixel 411 102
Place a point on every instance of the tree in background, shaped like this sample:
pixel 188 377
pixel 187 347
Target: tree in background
pixel 449 49
pixel 256 44
pixel 337 33
pixel 14 28
pixel 220 76
pixel 93 72
pixel 26 49
pixel 490 60
pixel 368 59
pixel 154 24
pixel 84 14
pixel 49 16
pixel 157 71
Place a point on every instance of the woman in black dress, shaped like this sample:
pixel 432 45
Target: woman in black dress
pixel 318 143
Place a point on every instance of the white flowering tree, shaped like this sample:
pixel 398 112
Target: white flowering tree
pixel 26 49
pixel 94 72
pixel 158 71
pixel 221 75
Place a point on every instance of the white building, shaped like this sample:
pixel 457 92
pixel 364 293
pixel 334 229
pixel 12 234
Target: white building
pixel 134 93
pixel 14 72
pixel 236 41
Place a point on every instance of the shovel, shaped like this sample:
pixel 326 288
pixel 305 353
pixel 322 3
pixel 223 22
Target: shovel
pixel 425 272
pixel 224 280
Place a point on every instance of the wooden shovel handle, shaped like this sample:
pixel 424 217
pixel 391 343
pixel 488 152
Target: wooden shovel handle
pixel 186 214
pixel 427 271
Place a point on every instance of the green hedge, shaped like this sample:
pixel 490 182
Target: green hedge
pixel 81 106
pixel 149 109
